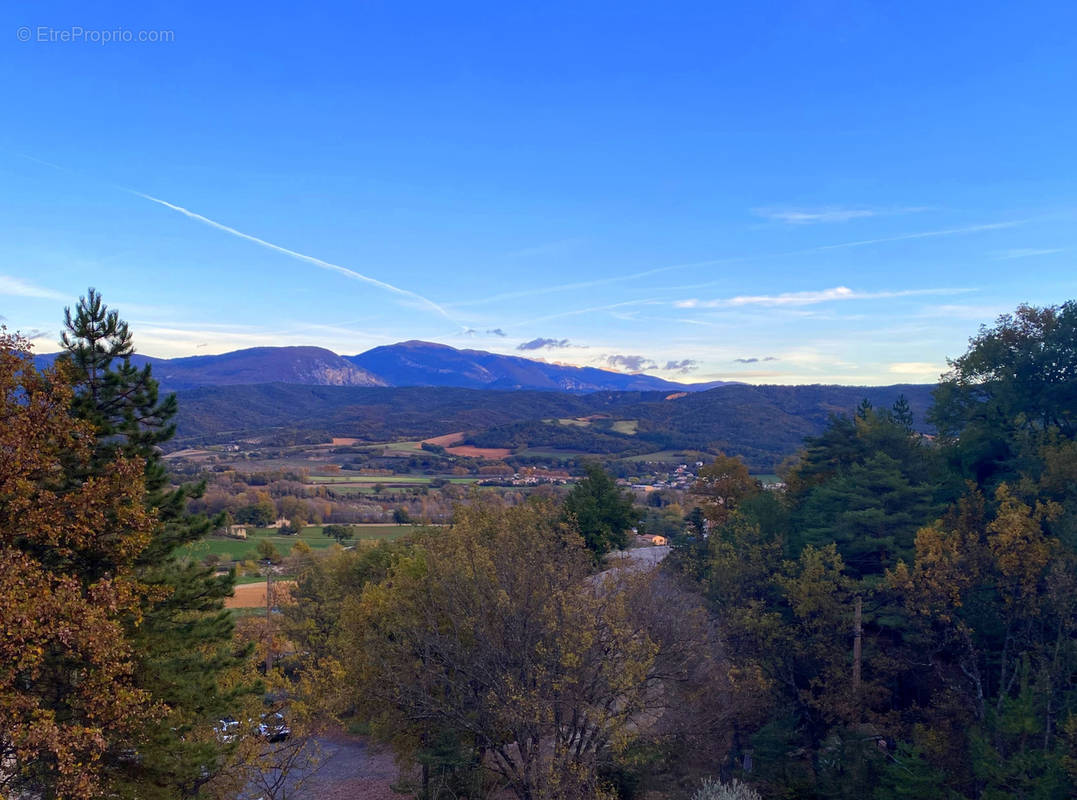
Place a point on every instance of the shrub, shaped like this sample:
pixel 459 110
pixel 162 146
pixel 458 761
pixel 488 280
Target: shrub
pixel 719 790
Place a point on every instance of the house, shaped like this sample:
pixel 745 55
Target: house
pixel 655 539
pixel 237 531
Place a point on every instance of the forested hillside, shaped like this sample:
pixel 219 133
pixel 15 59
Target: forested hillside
pixel 764 424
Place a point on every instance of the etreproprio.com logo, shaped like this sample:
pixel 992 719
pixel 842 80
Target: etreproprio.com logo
pixel 47 34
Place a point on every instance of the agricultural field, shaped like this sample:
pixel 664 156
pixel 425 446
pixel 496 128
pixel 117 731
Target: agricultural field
pixel 231 550
pixel 671 456
pixel 344 481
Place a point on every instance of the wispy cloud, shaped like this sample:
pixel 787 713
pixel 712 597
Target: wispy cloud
pixel 631 363
pixel 804 217
pixel 541 343
pixel 593 309
pixel 548 248
pixel 326 265
pixel 1025 252
pixel 904 237
pixel 729 260
pixel 917 370
pixel 810 297
pixel 16 287
pixel 814 216
pixel 684 366
pixel 497 332
pixel 754 359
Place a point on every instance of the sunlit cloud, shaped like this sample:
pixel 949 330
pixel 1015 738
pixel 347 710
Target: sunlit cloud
pixel 808 298
pixel 920 371
pixel 729 260
pixel 15 287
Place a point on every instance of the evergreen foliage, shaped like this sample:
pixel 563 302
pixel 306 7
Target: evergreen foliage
pixel 601 511
pixel 182 635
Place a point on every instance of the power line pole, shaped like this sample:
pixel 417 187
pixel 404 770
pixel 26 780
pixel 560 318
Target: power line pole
pixel 269 616
pixel 858 634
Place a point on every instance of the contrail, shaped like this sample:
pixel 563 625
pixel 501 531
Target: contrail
pixel 926 234
pixel 739 260
pixel 326 265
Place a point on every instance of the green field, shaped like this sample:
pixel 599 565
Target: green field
pixel 550 452
pixel 246 549
pixel 371 479
pixel 388 480
pixel 626 426
pixel 671 456
pixel 406 448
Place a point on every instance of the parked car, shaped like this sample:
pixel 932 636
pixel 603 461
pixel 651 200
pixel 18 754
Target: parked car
pixel 273 727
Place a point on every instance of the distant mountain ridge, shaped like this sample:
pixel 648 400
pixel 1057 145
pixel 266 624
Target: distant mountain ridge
pixel 417 363
pixel 412 363
pixel 762 424
pixel 307 366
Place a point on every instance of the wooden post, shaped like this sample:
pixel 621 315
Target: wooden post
pixel 858 634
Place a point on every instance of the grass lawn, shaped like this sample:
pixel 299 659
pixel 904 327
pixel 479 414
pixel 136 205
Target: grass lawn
pixel 246 549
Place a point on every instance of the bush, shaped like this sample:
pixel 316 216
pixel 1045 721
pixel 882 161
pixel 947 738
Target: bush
pixel 718 790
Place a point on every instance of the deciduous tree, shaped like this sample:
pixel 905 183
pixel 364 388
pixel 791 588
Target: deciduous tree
pixel 493 634
pixel 71 536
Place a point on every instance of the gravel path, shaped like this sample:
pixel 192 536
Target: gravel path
pixel 349 769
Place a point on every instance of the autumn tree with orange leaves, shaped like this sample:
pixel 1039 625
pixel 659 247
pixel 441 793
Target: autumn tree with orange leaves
pixel 67 588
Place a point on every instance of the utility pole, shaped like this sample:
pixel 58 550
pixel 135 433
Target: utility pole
pixel 269 616
pixel 858 634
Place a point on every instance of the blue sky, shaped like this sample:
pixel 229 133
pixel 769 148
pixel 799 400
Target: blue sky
pixel 771 192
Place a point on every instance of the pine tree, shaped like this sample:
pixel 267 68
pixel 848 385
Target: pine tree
pixel 902 413
pixel 184 638
pixel 602 512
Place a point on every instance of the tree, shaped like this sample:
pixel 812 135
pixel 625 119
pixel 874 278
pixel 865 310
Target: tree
pixel 69 697
pixel 260 514
pixel 722 485
pixel 342 533
pixel 1014 387
pixel 492 637
pixel 602 512
pixel 902 413
pixel 871 511
pixel 182 635
pixel 267 551
pixel 867 484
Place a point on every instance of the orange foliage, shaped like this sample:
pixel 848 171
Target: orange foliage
pixel 67 546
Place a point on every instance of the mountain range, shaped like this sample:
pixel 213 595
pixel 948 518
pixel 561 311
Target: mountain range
pixel 415 390
pixel 412 363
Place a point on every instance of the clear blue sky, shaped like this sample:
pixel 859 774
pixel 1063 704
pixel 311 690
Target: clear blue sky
pixel 842 191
